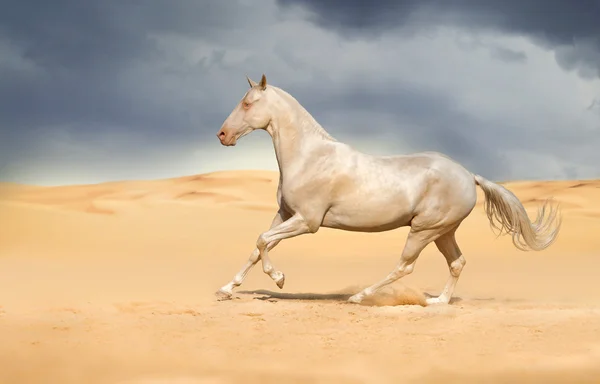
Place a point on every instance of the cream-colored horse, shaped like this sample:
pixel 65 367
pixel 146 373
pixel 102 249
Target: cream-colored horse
pixel 325 183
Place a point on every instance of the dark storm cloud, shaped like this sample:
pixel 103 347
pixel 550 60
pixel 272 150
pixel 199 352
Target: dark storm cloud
pixel 570 27
pixel 88 54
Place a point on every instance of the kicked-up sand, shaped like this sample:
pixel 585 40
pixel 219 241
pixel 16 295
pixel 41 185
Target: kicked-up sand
pixel 115 283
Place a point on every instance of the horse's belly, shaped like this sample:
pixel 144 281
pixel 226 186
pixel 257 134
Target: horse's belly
pixel 367 217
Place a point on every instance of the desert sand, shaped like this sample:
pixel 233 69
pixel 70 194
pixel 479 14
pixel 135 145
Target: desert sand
pixel 115 282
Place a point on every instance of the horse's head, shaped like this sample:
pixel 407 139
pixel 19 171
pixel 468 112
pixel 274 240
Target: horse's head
pixel 252 112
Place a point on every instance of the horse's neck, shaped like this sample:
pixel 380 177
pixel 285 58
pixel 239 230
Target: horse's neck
pixel 295 135
pixel 305 122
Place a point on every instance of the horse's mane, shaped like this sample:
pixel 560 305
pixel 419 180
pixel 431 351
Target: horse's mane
pixel 308 122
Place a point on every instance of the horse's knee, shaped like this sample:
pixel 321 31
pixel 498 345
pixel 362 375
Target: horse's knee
pixel 261 243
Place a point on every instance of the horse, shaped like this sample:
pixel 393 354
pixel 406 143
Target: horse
pixel 326 183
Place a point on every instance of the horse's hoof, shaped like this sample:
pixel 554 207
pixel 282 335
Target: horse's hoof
pixel 435 301
pixel 280 281
pixel 356 299
pixel 223 295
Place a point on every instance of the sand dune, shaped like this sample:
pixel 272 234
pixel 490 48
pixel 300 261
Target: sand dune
pixel 114 283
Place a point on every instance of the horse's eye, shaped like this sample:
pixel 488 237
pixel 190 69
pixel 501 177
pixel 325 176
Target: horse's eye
pixel 246 105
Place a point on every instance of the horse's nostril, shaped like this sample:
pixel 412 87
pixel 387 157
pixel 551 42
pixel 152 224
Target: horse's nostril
pixel 221 135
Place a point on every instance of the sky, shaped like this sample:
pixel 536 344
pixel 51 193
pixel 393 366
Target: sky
pixel 93 91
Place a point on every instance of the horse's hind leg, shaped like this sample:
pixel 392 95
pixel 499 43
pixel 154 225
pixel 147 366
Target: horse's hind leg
pixel 456 262
pixel 415 243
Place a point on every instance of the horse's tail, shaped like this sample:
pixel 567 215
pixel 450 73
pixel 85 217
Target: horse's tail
pixel 503 206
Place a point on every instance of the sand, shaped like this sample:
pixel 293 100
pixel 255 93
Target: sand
pixel 115 282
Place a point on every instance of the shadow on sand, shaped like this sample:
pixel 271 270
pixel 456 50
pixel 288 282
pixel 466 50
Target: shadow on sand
pixel 406 297
pixel 268 295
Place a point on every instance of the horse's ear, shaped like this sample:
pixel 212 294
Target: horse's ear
pixel 251 82
pixel 263 82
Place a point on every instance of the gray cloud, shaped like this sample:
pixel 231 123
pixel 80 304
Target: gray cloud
pixel 508 55
pixel 571 28
pixel 121 89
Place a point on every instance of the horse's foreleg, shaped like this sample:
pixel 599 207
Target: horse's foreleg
pixel 449 248
pixel 226 291
pixel 415 243
pixel 294 226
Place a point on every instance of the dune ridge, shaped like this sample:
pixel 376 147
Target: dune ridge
pixel 252 187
